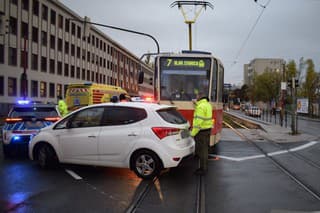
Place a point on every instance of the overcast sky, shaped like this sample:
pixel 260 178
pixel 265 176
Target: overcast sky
pixel 288 29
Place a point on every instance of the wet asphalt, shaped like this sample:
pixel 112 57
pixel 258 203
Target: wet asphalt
pixel 240 180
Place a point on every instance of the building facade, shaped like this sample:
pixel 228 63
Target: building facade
pixel 44 47
pixel 260 65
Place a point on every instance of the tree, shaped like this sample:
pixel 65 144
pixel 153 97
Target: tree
pixel 267 86
pixel 309 87
pixel 291 70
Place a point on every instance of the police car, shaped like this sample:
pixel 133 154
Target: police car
pixel 24 120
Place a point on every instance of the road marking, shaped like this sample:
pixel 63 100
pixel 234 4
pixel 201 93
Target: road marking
pixel 303 146
pixel 268 154
pixel 73 174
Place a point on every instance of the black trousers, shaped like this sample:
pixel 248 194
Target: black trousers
pixel 202 140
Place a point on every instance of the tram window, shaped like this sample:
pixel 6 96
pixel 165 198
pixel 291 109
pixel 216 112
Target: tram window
pixel 214 81
pixel 183 84
pixel 221 82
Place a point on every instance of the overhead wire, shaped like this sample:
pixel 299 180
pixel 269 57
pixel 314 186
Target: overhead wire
pixel 264 7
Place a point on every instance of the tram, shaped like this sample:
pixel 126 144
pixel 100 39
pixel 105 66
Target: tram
pixel 179 77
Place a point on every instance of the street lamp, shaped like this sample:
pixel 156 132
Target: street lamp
pixel 85 22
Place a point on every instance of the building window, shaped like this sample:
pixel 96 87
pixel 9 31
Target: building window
pixel 13 26
pixel 43 64
pixel 34 62
pixel 24 30
pixel 34 88
pixel 25 4
pixel 35 34
pixel 43 89
pixel 1 85
pixel 52 66
pixel 53 17
pixel 88 56
pixel 44 12
pixel 51 90
pixel 88 75
pixel 35 7
pixel 67 25
pixel 60 21
pixel 59 44
pixel 72 72
pixel 73 28
pixel 1 54
pixel 66 70
pixel 52 42
pixel 12 56
pixel 24 58
pixel 59 89
pixel 78 72
pixel 44 38
pixel 72 50
pixel 83 54
pixel 78 52
pixel 83 74
pixel 66 47
pixel 12 86
pixel 14 2
pixel 59 68
pixel 78 31
pixel 92 76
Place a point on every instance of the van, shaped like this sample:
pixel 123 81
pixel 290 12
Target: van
pixel 79 95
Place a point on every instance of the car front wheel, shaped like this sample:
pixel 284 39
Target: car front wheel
pixel 146 164
pixel 46 156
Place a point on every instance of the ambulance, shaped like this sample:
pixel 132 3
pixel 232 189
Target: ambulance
pixel 79 95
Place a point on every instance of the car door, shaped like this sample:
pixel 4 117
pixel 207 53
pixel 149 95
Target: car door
pixel 120 131
pixel 79 140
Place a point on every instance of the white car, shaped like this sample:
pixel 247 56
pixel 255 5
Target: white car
pixel 254 111
pixel 144 137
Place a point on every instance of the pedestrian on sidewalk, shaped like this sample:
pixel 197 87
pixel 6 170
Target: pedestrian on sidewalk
pixel 201 130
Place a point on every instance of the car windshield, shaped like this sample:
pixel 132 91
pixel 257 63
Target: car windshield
pixel 38 112
pixel 171 115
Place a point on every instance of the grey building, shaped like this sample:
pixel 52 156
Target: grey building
pixel 260 65
pixel 45 40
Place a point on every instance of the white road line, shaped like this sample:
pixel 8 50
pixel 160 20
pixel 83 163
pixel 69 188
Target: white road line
pixel 268 154
pixel 73 174
pixel 303 146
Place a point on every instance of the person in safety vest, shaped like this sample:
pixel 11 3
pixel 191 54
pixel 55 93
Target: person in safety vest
pixel 62 106
pixel 201 130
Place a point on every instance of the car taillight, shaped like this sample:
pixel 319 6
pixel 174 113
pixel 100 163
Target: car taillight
pixel 163 132
pixel 13 120
pixel 53 119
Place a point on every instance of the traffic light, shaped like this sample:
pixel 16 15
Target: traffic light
pixel 293 83
pixel 296 83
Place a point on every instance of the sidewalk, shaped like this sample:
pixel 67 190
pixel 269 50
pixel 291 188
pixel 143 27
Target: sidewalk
pixel 283 135
pixel 275 132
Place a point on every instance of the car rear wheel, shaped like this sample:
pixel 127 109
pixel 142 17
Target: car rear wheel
pixel 146 164
pixel 46 156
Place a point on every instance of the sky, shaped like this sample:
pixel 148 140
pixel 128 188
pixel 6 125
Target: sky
pixel 235 31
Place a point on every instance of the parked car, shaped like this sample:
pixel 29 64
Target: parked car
pixel 144 137
pixel 24 120
pixel 254 111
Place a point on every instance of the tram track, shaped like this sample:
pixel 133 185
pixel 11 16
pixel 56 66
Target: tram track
pixel 139 198
pixel 291 174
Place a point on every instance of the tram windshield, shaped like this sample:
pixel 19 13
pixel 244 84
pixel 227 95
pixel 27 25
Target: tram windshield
pixel 183 78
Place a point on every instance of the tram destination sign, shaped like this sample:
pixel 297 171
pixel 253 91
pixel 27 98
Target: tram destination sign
pixel 178 63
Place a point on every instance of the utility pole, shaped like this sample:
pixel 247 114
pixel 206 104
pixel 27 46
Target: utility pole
pixel 198 5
